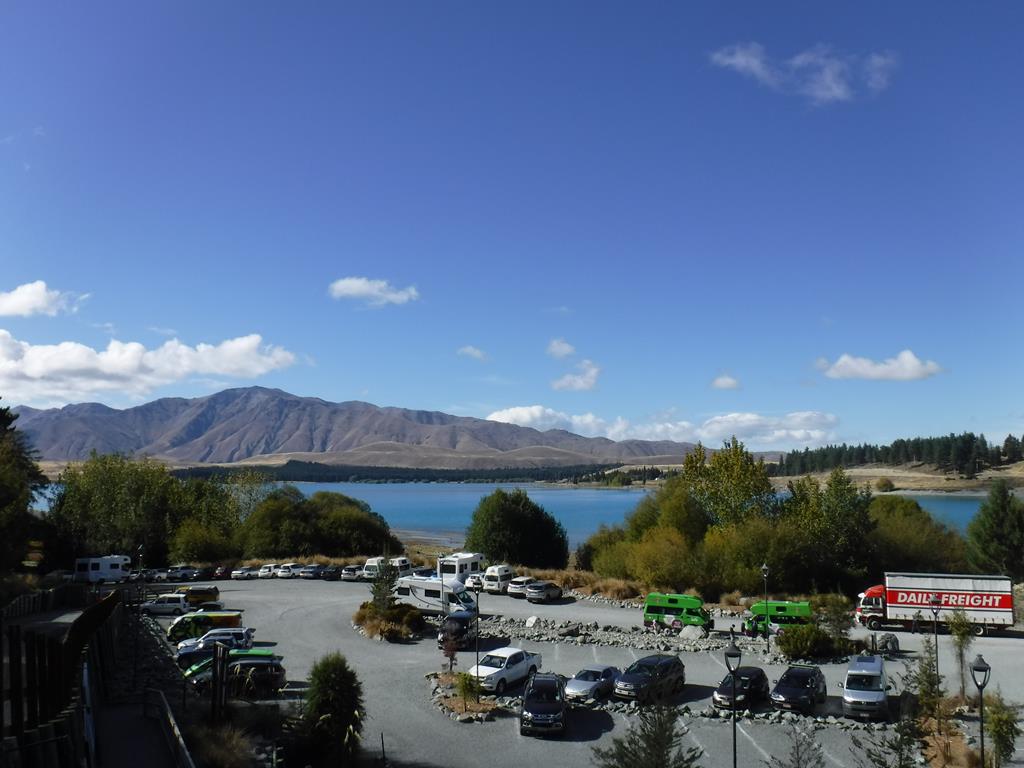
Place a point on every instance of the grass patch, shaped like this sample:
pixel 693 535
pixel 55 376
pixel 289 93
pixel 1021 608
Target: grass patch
pixel 222 746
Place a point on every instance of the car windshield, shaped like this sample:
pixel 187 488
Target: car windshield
pixel 797 680
pixel 465 599
pixel 544 692
pixel 863 683
pixel 589 675
pixel 640 668
pixel 741 682
pixel 490 660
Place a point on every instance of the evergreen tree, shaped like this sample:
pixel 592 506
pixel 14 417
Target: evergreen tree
pixel 508 526
pixel 804 751
pixel 655 742
pixel 995 537
pixel 20 478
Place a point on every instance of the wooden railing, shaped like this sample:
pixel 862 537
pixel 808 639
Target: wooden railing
pixel 154 706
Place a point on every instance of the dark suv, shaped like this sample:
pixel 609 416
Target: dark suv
pixel 459 626
pixel 801 687
pixel 653 677
pixel 543 709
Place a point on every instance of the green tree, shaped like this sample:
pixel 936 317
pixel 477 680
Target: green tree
pixel 382 588
pixel 195 542
pixel 671 506
pixel 907 538
pixel 655 742
pixel 603 538
pixel 510 526
pixel 333 712
pixel 898 750
pixel 730 485
pixel 467 686
pixel 20 478
pixel 1003 728
pixel 963 635
pixel 995 537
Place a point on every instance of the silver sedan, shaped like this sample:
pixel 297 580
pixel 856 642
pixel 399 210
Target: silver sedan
pixel 543 591
pixel 591 683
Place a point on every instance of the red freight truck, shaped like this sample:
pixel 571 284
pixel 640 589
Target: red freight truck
pixel 987 600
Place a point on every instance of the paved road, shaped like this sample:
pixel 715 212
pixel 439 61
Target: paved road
pixel 306 619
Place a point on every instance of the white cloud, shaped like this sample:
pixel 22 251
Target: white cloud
pixel 374 292
pixel 578 382
pixel 906 366
pixel 51 374
pixel 162 331
pixel 725 381
pixel 36 299
pixel 470 351
pixel 800 428
pixel 820 73
pixel 560 348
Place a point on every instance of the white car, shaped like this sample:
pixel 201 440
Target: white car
pixel 288 570
pixel 503 667
pixel 517 587
pixel 267 571
pixel 166 605
pixel 245 573
pixel 352 573
pixel 235 637
pixel 475 581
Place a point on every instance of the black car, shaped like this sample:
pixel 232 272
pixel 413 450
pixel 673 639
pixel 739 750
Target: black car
pixel 459 626
pixel 751 687
pixel 658 676
pixel 331 573
pixel 543 709
pixel 801 688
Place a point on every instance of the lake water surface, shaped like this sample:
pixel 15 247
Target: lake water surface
pixel 444 510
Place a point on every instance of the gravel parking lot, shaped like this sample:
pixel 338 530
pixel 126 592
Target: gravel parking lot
pixel 306 619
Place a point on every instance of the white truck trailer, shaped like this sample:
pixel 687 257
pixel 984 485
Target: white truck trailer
pixel 908 597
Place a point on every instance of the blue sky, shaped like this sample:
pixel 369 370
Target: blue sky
pixel 796 223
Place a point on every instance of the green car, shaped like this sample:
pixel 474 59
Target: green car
pixel 778 612
pixel 676 611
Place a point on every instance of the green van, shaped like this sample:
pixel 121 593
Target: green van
pixel 198 624
pixel 234 653
pixel 676 611
pixel 778 612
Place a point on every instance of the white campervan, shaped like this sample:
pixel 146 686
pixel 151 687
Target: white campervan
pixel 401 565
pixel 434 595
pixel 496 579
pixel 110 568
pixel 371 566
pixel 459 565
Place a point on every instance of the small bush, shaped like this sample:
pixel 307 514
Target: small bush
pixel 220 746
pixel 333 717
pixel 806 641
pixel 731 598
pixel 467 686
pixel 884 485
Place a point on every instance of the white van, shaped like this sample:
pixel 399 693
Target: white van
pixel 866 689
pixel 267 571
pixel 401 565
pixel 434 595
pixel 166 605
pixel 370 568
pixel 110 568
pixel 459 565
pixel 496 579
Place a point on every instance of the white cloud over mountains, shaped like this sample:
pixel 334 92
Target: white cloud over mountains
pixel 799 428
pixel 820 74
pixel 578 382
pixel 56 374
pixel 906 366
pixel 376 293
pixel 36 299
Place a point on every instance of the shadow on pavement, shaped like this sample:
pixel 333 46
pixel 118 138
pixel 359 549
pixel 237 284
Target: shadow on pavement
pixel 264 643
pixel 488 643
pixel 691 693
pixel 588 725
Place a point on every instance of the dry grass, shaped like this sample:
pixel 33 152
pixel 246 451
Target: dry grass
pixel 453 702
pixel 732 599
pixel 220 746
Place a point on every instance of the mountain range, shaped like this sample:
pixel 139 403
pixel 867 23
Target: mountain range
pixel 256 425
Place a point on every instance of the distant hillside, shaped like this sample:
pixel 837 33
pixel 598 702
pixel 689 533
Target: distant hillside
pixel 262 426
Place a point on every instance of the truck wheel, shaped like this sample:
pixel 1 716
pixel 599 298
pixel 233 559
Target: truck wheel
pixel 978 630
pixel 500 687
pixel 874 625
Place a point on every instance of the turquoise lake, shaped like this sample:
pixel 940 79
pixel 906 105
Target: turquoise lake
pixel 440 509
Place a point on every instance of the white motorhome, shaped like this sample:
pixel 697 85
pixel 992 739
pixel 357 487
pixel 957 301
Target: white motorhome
pixel 459 565
pixel 496 579
pixel 110 568
pixel 401 565
pixel 434 595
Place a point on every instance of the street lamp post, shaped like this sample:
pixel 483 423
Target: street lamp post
pixel 936 603
pixel 979 669
pixel 764 575
pixel 732 663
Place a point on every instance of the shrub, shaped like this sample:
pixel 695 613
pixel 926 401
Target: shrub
pixel 333 716
pixel 657 740
pixel 731 598
pixel 835 615
pixel 884 485
pixel 806 641
pixel 1003 728
pixel 467 686
pixel 511 527
pixel 220 746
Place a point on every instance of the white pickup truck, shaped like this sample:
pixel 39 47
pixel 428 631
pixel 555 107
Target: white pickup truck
pixel 505 666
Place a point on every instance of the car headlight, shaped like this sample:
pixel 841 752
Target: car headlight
pixel 741 697
pixel 527 715
pixel 778 697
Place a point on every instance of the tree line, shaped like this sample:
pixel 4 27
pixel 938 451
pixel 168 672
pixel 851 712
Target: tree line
pixel 713 526
pixel 964 454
